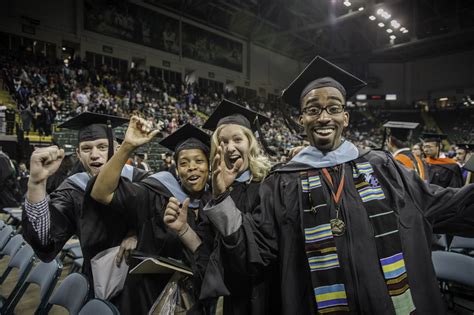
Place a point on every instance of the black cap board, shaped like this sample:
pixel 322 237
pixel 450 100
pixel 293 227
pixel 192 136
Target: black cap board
pixel 232 113
pixel 433 137
pixel 92 126
pixel 187 137
pixel 466 146
pixel 400 129
pixel 321 73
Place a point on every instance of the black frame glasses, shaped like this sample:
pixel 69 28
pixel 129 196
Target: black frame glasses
pixel 317 111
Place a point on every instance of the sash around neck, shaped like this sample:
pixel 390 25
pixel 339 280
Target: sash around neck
pixel 315 158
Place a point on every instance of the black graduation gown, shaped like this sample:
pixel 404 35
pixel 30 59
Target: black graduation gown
pixel 227 273
pixel 146 202
pixel 421 208
pixel 445 175
pixel 73 212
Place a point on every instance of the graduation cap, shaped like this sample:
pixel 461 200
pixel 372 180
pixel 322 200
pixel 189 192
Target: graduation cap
pixel 433 137
pixel 321 73
pixel 232 113
pixel 400 129
pixel 468 147
pixel 92 126
pixel 187 137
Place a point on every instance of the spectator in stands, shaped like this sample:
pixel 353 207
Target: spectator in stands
pixel 345 230
pixel 140 162
pixel 23 176
pixel 442 171
pixel 49 221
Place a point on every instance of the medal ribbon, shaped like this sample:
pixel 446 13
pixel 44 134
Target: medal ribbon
pixel 336 196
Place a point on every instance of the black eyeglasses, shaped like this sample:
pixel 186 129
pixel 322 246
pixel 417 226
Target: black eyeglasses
pixel 316 110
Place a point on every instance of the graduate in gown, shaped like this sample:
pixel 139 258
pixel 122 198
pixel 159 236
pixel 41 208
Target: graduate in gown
pixel 398 135
pixel 147 201
pixel 49 221
pixel 463 154
pixel 349 230
pixel 238 167
pixel 442 171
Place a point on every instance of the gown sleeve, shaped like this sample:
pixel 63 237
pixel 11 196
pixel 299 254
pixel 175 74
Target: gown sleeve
pixel 62 225
pixel 448 210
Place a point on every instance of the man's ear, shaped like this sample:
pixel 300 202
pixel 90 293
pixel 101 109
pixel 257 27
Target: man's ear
pixel 300 119
pixel 346 119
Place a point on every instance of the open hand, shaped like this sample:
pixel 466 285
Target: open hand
pixel 139 132
pixel 223 175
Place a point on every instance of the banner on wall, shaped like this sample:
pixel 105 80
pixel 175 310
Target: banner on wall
pixel 208 47
pixel 133 23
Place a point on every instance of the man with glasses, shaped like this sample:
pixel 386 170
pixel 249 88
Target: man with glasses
pixel 343 230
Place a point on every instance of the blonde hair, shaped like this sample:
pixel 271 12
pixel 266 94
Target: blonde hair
pixel 259 164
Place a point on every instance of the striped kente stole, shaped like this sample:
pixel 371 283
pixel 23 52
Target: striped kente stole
pixel 326 274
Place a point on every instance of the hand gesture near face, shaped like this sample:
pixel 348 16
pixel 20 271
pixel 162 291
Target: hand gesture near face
pixel 223 174
pixel 176 217
pixel 45 162
pixel 139 132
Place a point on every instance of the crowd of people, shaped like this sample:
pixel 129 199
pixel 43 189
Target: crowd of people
pixel 323 225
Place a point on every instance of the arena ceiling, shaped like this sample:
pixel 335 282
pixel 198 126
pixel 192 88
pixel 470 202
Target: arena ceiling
pixel 339 29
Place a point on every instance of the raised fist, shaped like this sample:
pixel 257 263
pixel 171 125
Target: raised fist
pixel 45 162
pixel 176 215
pixel 139 132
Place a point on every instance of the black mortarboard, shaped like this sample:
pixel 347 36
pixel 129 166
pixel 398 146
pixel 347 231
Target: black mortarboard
pixel 321 73
pixel 187 137
pixel 400 129
pixel 92 126
pixel 231 113
pixel 433 137
pixel 468 147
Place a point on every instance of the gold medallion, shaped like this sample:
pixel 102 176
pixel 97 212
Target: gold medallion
pixel 338 227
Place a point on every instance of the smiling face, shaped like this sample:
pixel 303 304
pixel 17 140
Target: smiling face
pixel 193 169
pixel 93 154
pixel 324 130
pixel 236 146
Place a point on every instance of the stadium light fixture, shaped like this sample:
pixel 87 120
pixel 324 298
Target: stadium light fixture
pixel 389 30
pixel 361 9
pixel 380 11
pixel 402 29
pixel 392 37
pixel 372 18
pixel 381 24
pixel 347 3
pixel 443 98
pixel 386 15
pixel 395 24
pixel 405 31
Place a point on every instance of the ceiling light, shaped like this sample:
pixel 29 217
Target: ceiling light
pixel 402 29
pixel 381 24
pixel 380 11
pixel 389 30
pixel 392 37
pixel 361 9
pixel 347 3
pixel 372 18
pixel 386 15
pixel 405 31
pixel 395 24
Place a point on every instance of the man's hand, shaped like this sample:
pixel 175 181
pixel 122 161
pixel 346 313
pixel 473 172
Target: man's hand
pixel 44 162
pixel 176 217
pixel 222 175
pixel 139 132
pixel 128 244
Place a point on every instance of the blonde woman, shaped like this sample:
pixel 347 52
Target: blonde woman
pixel 238 167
